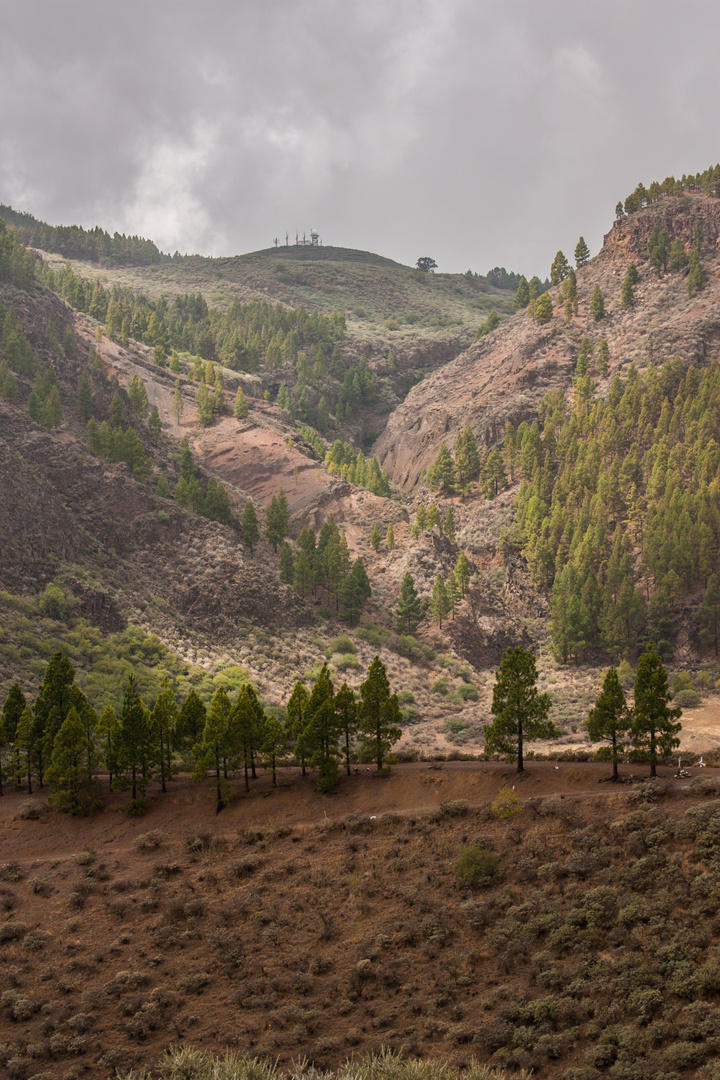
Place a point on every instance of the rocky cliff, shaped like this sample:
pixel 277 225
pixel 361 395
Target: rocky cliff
pixel 504 376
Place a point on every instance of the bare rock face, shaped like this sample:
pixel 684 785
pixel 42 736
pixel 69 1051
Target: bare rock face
pixel 504 376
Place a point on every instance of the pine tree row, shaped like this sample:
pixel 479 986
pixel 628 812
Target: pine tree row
pixel 59 739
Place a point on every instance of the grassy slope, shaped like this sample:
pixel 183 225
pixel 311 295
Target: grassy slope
pixel 367 288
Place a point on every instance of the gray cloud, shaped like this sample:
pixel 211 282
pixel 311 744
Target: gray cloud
pixel 476 131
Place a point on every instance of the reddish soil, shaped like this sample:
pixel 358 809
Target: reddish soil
pixel 411 788
pixel 291 925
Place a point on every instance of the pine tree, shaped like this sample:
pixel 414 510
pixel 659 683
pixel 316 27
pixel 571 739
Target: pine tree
pixel 355 591
pixel 375 537
pixel 84 396
pixel 178 406
pixel 346 710
pixel 495 472
pixel 462 573
pixel 107 733
pixel 559 270
pixel 190 722
pixel 304 580
pixel 432 516
pixel 379 713
pixel 295 723
pixel 241 406
pixel 441 474
pixel 277 519
pixel 582 253
pixel 467 459
pixel 439 601
pixel 520 712
pixel 610 719
pixel 653 723
pixel 409 613
pixel 287 564
pixel 597 305
pixel 627 294
pixel 250 528
pixel 453 592
pixel 571 297
pixel 51 706
pixel 273 744
pixel 584 354
pixel 134 743
pixel 204 405
pixel 216 744
pixel 542 312
pixel 322 730
pixel 163 720
pixel 522 295
pixel 678 256
pixel 603 357
pixel 12 710
pixel 138 396
pixel 174 362
pixel 390 538
pixel 449 524
pixel 696 274
pixel 154 426
pixel 65 772
pixel 24 748
pixel 245 726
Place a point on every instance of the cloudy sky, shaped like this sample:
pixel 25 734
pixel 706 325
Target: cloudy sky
pixel 479 132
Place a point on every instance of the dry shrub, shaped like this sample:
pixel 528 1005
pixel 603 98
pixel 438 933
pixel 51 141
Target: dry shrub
pixel 151 840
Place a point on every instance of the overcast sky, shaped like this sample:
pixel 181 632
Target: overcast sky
pixel 479 132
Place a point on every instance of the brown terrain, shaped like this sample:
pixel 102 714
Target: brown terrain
pixel 304 925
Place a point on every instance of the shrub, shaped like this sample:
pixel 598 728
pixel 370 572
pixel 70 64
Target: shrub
pixel 454 807
pixel 476 865
pixel 467 692
pixel 688 699
pixel 30 810
pixel 505 805
pixel 345 661
pixel 84 858
pixel 11 931
pixel 340 644
pixel 682 681
pixel 148 841
pixel 440 686
pixel 406 697
pixel 455 725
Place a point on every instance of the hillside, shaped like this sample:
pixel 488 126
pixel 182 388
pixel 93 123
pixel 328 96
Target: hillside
pixel 567 935
pixel 142 568
pixel 503 377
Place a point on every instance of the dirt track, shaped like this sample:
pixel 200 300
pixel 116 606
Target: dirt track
pixel 188 807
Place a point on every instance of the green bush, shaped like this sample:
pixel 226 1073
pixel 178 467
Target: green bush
pixel 454 725
pixel 467 692
pixel 476 865
pixel 688 699
pixel 682 681
pixel 406 697
pixel 440 686
pixel 340 644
